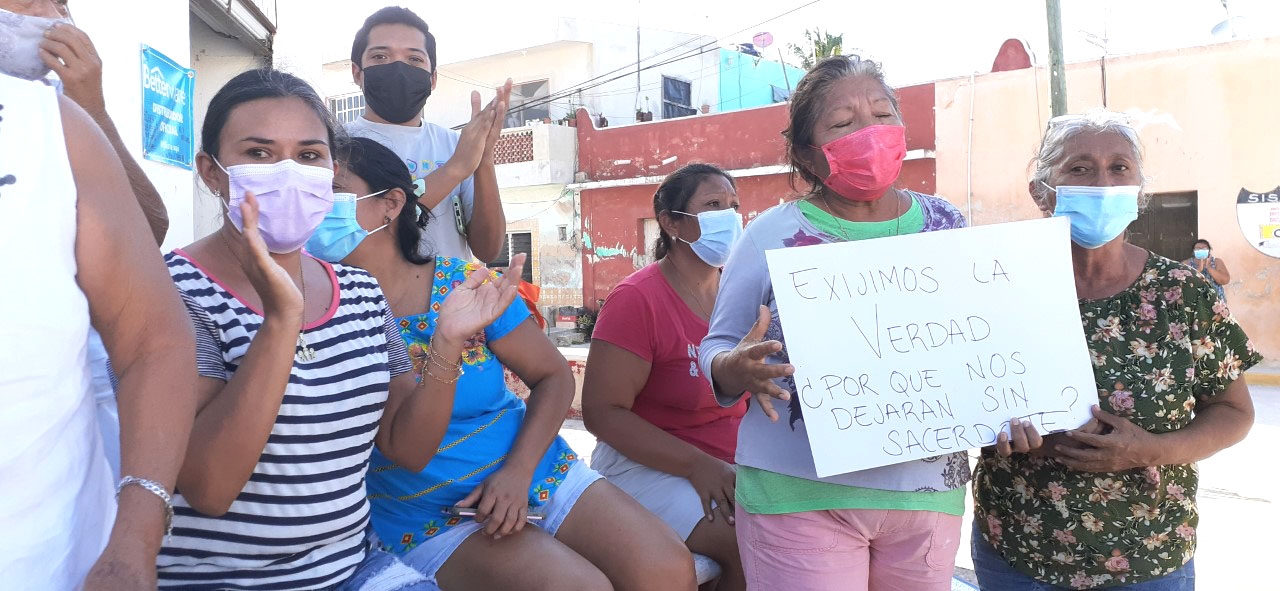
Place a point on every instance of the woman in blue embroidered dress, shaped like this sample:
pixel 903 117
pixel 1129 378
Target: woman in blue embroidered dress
pixel 500 457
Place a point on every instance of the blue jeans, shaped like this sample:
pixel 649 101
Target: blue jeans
pixel 995 574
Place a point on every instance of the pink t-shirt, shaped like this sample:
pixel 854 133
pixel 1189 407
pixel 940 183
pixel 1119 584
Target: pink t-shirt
pixel 645 316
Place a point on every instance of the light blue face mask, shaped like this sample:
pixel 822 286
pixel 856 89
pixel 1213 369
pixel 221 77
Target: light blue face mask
pixel 720 230
pixel 340 233
pixel 1098 214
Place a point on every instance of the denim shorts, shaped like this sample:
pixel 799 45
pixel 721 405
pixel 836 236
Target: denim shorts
pixel 381 571
pixel 995 574
pixel 429 556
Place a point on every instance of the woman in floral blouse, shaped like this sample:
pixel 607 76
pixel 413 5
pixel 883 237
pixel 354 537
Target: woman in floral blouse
pixel 1113 504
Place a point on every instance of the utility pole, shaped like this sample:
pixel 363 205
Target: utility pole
pixel 783 62
pixel 1057 70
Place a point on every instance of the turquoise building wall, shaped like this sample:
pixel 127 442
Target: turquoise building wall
pixel 747 81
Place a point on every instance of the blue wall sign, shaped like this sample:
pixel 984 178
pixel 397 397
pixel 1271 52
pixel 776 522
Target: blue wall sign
pixel 167 128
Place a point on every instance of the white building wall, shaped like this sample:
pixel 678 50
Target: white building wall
pixel 296 47
pixel 615 55
pixel 216 60
pixel 577 52
pixel 554 159
pixel 562 64
pixel 118 36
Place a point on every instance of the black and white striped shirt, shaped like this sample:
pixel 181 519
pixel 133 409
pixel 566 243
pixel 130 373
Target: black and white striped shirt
pixel 300 521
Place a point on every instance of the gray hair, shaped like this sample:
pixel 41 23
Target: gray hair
pixel 1061 129
pixel 806 103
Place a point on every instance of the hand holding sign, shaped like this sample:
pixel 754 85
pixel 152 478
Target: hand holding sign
pixel 1109 444
pixel 944 336
pixel 1021 438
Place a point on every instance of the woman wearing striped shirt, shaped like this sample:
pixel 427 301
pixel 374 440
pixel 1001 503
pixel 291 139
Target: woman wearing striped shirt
pixel 301 369
pixel 500 458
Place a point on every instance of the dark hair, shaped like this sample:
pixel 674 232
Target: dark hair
pixel 1206 243
pixel 674 194
pixel 806 103
pixel 392 15
pixel 382 170
pixel 259 84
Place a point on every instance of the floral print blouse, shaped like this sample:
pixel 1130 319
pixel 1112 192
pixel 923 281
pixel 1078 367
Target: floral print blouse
pixel 408 508
pixel 1156 347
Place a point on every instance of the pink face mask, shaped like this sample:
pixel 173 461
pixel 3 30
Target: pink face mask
pixel 865 163
pixel 293 199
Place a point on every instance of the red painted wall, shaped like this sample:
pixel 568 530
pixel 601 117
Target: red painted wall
pixel 733 140
pixel 613 217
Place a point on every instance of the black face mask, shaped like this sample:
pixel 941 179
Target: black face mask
pixel 396 91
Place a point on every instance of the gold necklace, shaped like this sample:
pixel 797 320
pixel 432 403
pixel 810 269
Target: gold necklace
pixel 845 232
pixel 305 352
pixel 698 300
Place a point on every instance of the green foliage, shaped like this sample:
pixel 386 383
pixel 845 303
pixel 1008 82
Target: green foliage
pixel 819 45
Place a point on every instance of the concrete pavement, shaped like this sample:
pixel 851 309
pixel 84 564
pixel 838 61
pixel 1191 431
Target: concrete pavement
pixel 1239 503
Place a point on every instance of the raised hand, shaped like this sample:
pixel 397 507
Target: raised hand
pixel 69 52
pixel 500 103
pixel 745 367
pixel 478 301
pixel 280 295
pixel 473 141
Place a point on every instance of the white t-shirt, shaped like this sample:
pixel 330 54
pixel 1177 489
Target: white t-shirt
pixel 424 149
pixel 56 495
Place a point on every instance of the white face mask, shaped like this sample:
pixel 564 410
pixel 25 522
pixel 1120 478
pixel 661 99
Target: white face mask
pixel 720 230
pixel 20 37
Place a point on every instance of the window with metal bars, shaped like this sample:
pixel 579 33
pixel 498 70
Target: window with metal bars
pixel 347 108
pixel 513 244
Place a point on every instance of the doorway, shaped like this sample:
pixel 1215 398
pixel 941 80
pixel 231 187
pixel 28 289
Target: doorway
pixel 1168 225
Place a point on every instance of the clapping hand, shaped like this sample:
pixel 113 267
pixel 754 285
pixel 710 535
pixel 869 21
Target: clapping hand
pixel 473 141
pixel 478 301
pixel 500 104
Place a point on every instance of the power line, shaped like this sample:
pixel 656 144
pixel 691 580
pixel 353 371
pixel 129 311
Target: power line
pixel 465 80
pixel 696 51
pixel 596 81
pixel 561 95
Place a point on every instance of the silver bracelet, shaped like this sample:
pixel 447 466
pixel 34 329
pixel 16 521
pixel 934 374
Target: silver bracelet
pixel 154 488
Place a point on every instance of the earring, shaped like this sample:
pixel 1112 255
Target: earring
pixel 217 193
pixel 386 220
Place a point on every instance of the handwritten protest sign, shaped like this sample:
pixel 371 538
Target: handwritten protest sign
pixel 913 346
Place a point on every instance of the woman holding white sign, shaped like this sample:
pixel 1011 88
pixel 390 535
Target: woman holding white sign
pixel 893 527
pixel 1113 504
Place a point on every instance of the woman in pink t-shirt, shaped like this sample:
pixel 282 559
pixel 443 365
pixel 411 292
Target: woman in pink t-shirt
pixel 662 437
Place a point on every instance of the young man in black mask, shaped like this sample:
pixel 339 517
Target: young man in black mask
pixel 393 59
